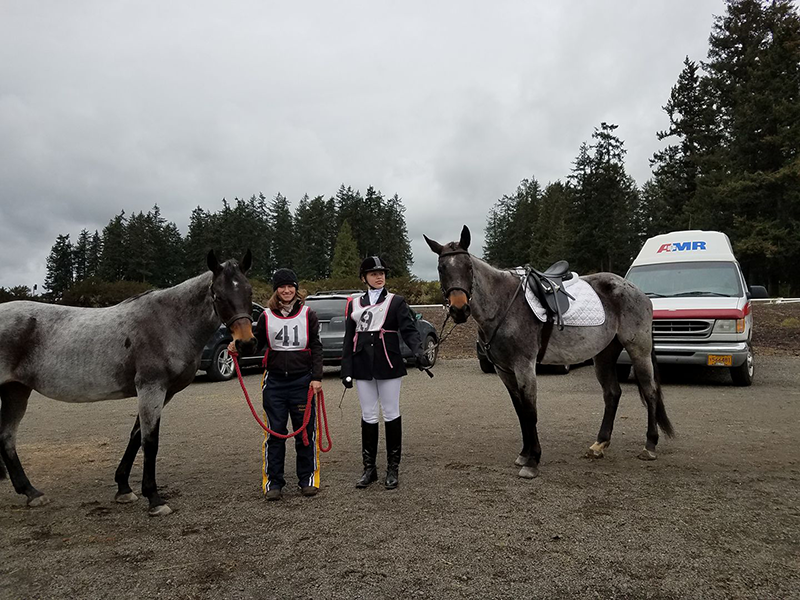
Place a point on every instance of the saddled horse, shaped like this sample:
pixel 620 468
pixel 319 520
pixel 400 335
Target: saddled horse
pixel 148 346
pixel 517 338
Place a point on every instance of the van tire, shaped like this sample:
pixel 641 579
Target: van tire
pixel 743 374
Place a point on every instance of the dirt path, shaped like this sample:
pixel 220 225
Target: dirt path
pixel 716 516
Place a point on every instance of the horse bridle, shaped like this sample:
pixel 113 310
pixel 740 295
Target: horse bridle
pixel 234 318
pixel 446 292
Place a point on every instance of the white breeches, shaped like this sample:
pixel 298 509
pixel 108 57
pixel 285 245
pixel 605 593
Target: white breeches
pixel 375 393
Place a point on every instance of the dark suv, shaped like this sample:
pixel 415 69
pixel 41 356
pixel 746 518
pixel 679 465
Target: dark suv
pixel 330 307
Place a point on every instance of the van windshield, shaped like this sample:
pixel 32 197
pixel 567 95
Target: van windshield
pixel 687 279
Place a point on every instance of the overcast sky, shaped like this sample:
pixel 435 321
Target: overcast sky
pixel 113 105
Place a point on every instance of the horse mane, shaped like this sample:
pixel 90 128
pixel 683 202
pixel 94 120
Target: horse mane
pixel 159 290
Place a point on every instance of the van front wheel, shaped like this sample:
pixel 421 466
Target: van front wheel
pixel 743 374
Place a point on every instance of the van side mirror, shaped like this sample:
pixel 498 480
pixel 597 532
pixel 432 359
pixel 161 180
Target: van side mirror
pixel 757 292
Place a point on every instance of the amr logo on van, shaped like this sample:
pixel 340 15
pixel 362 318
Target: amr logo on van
pixel 681 246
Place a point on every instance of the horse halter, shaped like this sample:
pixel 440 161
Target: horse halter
pixel 446 292
pixel 233 319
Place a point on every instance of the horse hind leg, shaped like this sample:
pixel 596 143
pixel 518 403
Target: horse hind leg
pixel 125 494
pixel 13 404
pixel 645 369
pixel 605 370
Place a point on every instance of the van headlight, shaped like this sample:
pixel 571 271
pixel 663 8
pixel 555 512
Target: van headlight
pixel 729 326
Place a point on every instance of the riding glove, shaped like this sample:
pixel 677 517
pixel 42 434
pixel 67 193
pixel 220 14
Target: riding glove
pixel 423 362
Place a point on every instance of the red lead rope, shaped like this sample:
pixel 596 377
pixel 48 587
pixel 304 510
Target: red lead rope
pixel 322 416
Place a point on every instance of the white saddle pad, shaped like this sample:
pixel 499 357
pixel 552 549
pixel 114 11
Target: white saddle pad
pixel 585 311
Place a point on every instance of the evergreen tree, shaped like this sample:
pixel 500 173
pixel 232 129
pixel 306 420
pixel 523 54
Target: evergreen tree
pixel 114 260
pixel 311 226
pixel 200 238
pixel 509 240
pixel 283 235
pixel 80 256
pixel 604 200
pixel 94 255
pixel 550 241
pixel 396 247
pixel 346 261
pixel 59 276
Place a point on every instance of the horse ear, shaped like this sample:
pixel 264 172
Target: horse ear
pixel 465 238
pixel 212 262
pixel 247 261
pixel 434 245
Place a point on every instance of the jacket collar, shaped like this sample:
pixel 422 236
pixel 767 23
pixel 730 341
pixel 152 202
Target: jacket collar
pixel 381 298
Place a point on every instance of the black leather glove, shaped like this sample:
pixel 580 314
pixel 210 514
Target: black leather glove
pixel 422 361
pixel 347 382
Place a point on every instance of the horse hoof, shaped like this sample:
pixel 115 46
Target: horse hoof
pixel 126 498
pixel 592 453
pixel 528 472
pixel 38 501
pixel 646 455
pixel 160 511
pixel 521 461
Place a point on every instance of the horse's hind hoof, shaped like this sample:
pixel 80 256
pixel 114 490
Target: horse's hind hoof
pixel 160 511
pixel 126 498
pixel 646 455
pixel 38 501
pixel 597 450
pixel 528 472
pixel 521 461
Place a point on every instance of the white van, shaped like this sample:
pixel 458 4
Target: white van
pixel 701 303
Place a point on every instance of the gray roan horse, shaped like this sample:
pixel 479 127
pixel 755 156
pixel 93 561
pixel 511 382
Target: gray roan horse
pixel 148 346
pixel 473 287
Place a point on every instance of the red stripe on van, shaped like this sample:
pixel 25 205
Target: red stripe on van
pixel 702 313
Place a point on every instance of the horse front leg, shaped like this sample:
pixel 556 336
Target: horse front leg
pixel 526 384
pixel 13 404
pixel 510 382
pixel 151 401
pixel 125 494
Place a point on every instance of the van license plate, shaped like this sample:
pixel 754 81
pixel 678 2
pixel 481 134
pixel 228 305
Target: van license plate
pixel 720 360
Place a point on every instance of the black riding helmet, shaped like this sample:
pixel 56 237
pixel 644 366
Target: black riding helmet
pixel 372 263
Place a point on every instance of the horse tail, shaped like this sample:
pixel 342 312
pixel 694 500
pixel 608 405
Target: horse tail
pixel 661 412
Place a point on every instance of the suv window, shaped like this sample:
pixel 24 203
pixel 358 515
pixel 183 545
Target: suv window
pixel 327 308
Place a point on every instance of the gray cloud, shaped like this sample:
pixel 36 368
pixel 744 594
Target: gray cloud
pixel 112 106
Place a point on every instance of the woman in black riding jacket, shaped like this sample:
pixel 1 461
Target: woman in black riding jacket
pixel 293 360
pixel 372 357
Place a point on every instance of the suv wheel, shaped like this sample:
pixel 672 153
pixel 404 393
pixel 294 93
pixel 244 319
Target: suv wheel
pixel 430 349
pixel 221 368
pixel 743 374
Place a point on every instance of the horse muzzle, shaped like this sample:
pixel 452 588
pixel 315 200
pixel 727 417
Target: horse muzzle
pixel 242 332
pixel 458 305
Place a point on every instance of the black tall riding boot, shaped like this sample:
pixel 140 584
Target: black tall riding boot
pixel 369 452
pixel 394 445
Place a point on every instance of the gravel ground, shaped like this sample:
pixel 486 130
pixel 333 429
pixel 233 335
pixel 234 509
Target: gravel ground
pixel 716 516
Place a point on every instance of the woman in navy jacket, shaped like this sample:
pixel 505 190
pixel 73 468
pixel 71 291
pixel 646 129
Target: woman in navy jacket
pixel 372 357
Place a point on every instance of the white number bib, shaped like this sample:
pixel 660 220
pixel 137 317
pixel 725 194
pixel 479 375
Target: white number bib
pixel 288 333
pixel 370 317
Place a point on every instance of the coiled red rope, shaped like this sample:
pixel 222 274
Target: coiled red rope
pixel 322 415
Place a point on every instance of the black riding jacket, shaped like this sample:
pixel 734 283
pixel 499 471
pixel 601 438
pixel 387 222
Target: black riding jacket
pixel 287 363
pixel 368 359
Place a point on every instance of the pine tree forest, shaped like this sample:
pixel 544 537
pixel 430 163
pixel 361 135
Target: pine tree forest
pixel 146 249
